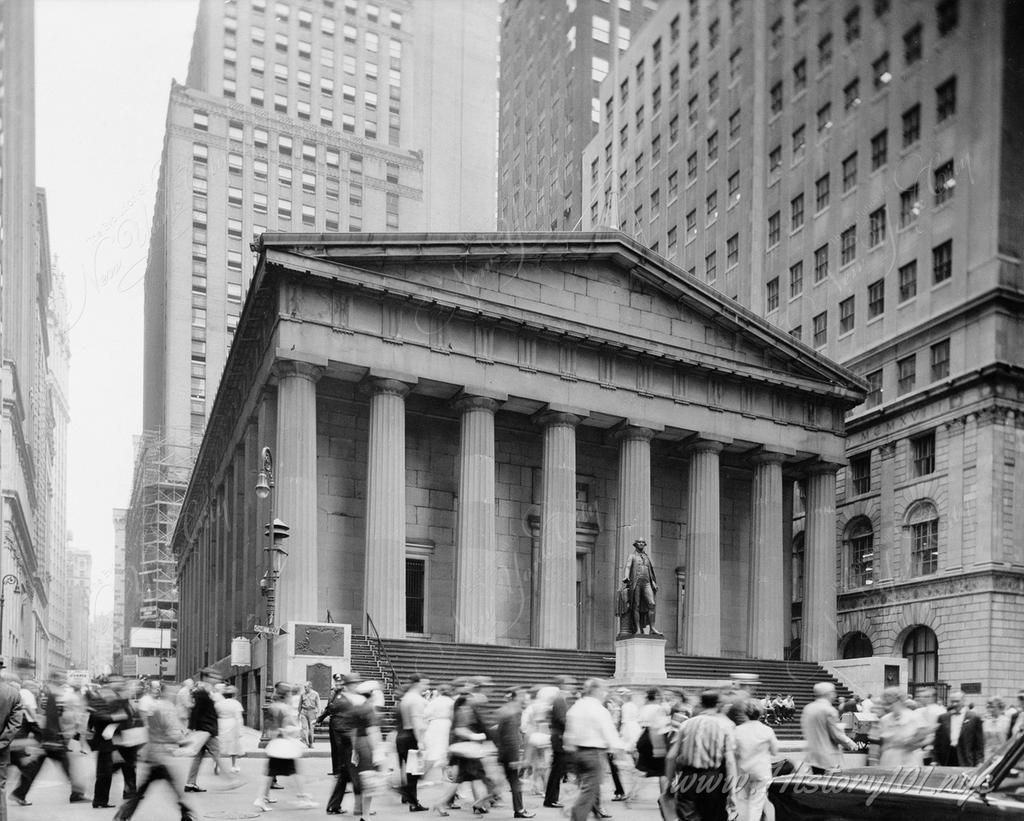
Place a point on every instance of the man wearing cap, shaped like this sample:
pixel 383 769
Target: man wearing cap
pixel 643 586
pixel 338 711
pixel 822 732
pixel 411 729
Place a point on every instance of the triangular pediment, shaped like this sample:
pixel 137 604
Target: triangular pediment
pixel 597 289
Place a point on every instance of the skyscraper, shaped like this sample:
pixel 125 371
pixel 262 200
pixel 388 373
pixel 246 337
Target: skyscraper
pixel 295 116
pixel 826 165
pixel 553 57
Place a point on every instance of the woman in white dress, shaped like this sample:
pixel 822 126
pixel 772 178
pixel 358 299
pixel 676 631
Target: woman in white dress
pixel 901 731
pixel 229 726
pixel 438 715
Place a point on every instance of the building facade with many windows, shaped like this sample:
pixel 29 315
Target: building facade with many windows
pixel 826 164
pixel 321 117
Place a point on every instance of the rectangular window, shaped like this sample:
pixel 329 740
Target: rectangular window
pixel 796 212
pixel 284 145
pixel 924 547
pixel 775 98
pixel 876 298
pixel 734 125
pixel 713 34
pixel 713 88
pixel 824 118
pixel 200 121
pixel 673 79
pixel 821 263
pixel 860 545
pixel 673 186
pixel 876 227
pixel 911 125
pixel 879 150
pixel 732 251
pixel 655 203
pixel 775 159
pixel 945 182
pixel 796 279
pixel 848 245
pixel 774 222
pixel 880 71
pixel 908 281
pixel 825 52
pixel 851 24
pixel 415 595
pixel 820 323
pixel 691 109
pixel 942 261
pixel 284 209
pixel 948 16
pixel 912 45
pixel 710 271
pixel 847 315
pixel 799 76
pixel 734 186
pixel 821 192
pixel 772 295
pixel 234 195
pixel 906 374
pixel 940 360
pixel 673 130
pixel 691 167
pixel 910 205
pixel 850 172
pixel 945 100
pixel 735 63
pixel 860 473
pixel 775 33
pixel 691 222
pixel 922 452
pixel 712 147
pixel 851 94
pixel 799 142
pixel 259 169
pixel 874 395
pixel 671 241
pixel 711 201
pixel 656 149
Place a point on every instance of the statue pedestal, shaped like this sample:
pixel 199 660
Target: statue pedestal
pixel 640 660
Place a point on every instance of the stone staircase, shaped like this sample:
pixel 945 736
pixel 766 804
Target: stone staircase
pixel 508 666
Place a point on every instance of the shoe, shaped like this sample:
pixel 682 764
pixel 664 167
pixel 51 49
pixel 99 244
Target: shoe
pixel 602 814
pixel 335 812
pixel 478 810
pixel 24 802
pixel 554 805
pixel 619 797
pixel 276 787
pixel 525 814
pixel 261 805
pixel 194 788
pixel 417 808
pixel 96 806
pixel 270 800
pixel 236 769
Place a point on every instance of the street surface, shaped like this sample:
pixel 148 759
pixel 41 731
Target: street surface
pixel 49 796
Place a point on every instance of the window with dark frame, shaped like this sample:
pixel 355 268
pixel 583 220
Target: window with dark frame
pixel 879 149
pixel 775 97
pixel 851 25
pixel 912 45
pixel 847 315
pixel 859 546
pixel 732 250
pixel 945 100
pixel 910 205
pixel 876 298
pixel 772 295
pixel 876 227
pixel 851 94
pixel 796 212
pixel 774 229
pixel 940 360
pixel 821 192
pixel 922 454
pixel 908 280
pixel 906 374
pixel 942 261
pixel 880 71
pixel 824 51
pixel 911 125
pixel 874 395
pixel 734 186
pixel 945 183
pixel 820 324
pixel 821 263
pixel 850 172
pixel 799 76
pixel 947 14
pixel 848 245
pixel 824 118
pixel 796 279
pixel 710 267
pixel 415 595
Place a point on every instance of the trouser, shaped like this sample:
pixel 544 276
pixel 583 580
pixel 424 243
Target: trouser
pixel 555 775
pixel 155 771
pixel 5 760
pixel 347 773
pixel 210 748
pixel 32 767
pixel 307 721
pixel 615 775
pixel 337 738
pixel 105 768
pixel 589 763
pixel 405 742
pixel 702 795
pixel 512 776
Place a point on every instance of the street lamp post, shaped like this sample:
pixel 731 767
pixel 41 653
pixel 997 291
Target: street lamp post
pixel 276 532
pixel 10 578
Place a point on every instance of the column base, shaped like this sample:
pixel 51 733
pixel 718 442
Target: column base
pixel 640 659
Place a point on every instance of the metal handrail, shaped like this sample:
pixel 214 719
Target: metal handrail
pixel 380 654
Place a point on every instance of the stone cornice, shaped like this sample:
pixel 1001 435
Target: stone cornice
pixel 933 588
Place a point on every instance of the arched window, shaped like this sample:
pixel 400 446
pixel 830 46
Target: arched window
pixel 798 567
pixel 921 650
pixel 922 521
pixel 857 646
pixel 859 552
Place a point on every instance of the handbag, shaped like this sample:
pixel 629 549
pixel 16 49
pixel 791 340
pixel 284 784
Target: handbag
pixel 285 748
pixel 414 763
pixel 539 740
pixel 466 749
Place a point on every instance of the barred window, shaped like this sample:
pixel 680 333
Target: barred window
pixel 859 547
pixel 923 521
pixel 860 473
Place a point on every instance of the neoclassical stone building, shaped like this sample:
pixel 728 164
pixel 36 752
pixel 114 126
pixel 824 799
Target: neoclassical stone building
pixel 469 431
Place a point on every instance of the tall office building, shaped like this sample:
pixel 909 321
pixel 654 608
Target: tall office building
pixel 119 625
pixel 306 116
pixel 554 55
pixel 33 383
pixel 79 564
pixel 827 165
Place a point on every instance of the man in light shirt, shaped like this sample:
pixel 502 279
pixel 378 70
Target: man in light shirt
pixel 411 730
pixel 589 731
pixel 704 756
pixel 822 733
pixel 929 713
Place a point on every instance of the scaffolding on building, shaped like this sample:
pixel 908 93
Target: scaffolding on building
pixel 163 464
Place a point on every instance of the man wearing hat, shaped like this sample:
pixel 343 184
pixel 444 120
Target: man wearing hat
pixel 643 586
pixel 338 712
pixel 412 727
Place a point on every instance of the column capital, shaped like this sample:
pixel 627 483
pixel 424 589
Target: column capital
pixel 702 445
pixel 554 418
pixel 468 401
pixel 768 457
pixel 296 367
pixel 819 468
pixel 628 432
pixel 387 386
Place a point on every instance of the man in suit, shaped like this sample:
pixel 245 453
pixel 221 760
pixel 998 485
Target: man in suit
pixel 959 739
pixel 509 741
pixel 10 722
pixel 559 757
pixel 338 712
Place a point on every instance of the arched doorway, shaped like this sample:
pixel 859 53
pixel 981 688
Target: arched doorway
pixel 921 650
pixel 857 645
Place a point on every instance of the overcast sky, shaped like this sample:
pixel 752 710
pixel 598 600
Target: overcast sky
pixel 103 72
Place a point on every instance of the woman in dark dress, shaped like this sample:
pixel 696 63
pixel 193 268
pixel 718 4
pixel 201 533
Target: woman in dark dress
pixel 467 737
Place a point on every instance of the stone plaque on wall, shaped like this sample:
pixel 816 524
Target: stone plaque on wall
pixel 320 639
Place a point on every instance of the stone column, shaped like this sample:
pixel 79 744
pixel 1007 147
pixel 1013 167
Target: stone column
pixel 556 587
pixel 634 510
pixel 384 591
pixel 765 635
pixel 476 553
pixel 702 626
pixel 819 613
pixel 295 490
